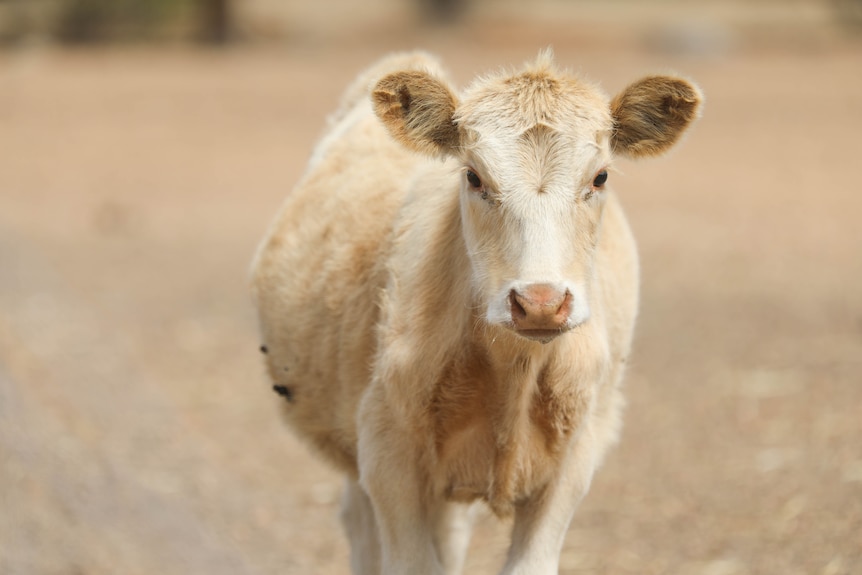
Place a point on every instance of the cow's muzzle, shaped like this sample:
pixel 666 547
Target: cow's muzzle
pixel 540 312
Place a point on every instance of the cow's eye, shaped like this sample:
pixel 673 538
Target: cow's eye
pixel 474 180
pixel 600 179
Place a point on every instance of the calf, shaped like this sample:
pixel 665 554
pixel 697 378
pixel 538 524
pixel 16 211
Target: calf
pixel 447 301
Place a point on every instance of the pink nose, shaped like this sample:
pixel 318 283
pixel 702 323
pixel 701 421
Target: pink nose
pixel 540 307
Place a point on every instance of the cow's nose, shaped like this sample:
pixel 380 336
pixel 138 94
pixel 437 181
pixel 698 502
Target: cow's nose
pixel 540 307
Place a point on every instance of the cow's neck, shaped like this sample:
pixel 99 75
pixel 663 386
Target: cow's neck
pixel 534 411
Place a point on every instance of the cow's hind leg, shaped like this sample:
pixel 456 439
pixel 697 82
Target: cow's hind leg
pixel 357 516
pixel 453 526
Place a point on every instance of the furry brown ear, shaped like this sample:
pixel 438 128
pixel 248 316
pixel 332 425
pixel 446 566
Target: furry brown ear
pixel 418 110
pixel 651 114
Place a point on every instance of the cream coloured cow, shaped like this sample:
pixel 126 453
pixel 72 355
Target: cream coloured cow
pixel 447 301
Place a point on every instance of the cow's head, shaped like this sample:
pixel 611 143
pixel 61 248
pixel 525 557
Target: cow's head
pixel 535 149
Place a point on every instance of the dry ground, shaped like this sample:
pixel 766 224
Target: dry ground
pixel 139 435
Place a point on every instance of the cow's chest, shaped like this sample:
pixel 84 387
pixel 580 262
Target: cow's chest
pixel 499 436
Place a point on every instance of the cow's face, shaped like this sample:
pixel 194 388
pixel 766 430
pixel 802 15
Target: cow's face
pixel 535 149
pixel 535 153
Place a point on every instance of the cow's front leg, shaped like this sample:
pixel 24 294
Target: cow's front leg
pixel 357 516
pixel 541 522
pixel 390 473
pixel 453 526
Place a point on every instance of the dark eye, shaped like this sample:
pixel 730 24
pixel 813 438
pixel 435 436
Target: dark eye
pixel 473 179
pixel 600 179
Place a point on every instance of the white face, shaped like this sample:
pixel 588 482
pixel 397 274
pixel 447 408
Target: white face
pixel 531 203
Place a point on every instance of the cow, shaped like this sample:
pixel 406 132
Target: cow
pixel 447 300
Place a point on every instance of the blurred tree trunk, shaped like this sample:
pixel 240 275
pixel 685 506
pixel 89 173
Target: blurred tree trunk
pixel 443 11
pixel 215 22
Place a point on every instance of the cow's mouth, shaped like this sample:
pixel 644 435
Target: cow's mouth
pixel 541 335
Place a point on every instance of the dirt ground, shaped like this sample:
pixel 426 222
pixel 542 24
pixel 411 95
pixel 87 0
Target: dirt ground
pixel 139 435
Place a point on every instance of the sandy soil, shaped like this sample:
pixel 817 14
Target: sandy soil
pixel 138 433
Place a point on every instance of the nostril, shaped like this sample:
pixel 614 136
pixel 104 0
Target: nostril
pixel 518 311
pixel 565 308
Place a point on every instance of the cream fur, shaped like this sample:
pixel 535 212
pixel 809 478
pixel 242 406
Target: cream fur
pixel 385 290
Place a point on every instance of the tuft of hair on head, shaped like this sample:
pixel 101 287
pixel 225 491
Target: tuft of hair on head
pixel 545 61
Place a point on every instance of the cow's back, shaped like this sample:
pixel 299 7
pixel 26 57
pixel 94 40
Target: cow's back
pixel 319 272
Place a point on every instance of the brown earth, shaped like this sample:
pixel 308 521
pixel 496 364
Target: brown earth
pixel 138 433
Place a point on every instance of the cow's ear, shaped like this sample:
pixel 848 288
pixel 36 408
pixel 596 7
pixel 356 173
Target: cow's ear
pixel 418 109
pixel 651 114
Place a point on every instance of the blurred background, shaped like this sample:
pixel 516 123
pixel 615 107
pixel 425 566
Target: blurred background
pixel 145 145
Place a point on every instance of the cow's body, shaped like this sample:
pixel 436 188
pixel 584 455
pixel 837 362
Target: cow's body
pixel 375 320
